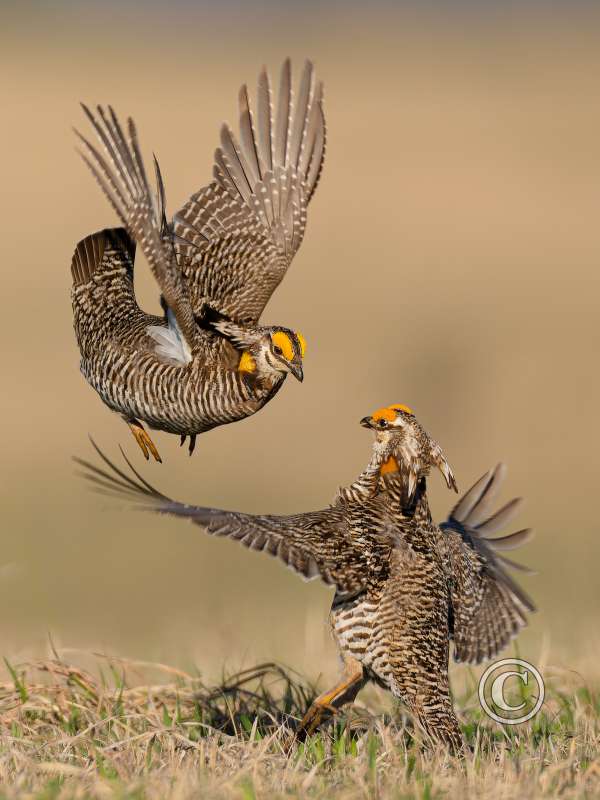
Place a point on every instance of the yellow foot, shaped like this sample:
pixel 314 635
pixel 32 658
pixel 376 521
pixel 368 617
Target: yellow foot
pixel 144 441
pixel 314 717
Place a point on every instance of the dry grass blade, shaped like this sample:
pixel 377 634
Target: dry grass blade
pixel 66 733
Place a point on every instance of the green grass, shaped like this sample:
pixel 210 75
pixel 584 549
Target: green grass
pixel 68 734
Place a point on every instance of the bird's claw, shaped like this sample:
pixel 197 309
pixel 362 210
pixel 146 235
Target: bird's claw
pixel 192 445
pixel 144 441
pixel 313 718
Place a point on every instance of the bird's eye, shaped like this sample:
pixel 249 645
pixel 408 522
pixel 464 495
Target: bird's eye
pixel 277 350
pixel 382 423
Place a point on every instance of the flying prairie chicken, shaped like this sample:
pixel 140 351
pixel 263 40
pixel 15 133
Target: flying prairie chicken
pixel 208 362
pixel 404 586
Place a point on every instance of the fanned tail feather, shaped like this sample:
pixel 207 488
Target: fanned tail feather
pixel 489 606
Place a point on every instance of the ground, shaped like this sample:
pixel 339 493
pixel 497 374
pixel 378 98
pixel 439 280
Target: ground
pixel 66 733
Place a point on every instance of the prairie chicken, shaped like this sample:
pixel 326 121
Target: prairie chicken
pixel 404 586
pixel 208 362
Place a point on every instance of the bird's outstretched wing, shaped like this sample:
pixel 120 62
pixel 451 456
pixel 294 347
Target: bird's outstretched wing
pixel 236 237
pixel 487 606
pixel 121 174
pixel 103 292
pixel 317 544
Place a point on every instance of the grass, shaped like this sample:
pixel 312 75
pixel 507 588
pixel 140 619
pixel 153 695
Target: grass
pixel 66 733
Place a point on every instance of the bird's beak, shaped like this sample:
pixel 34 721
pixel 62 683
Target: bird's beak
pixel 297 371
pixel 367 422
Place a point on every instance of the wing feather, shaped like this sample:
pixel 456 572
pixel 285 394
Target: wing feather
pixel 312 125
pixel 265 123
pixel 488 606
pixel 301 115
pixel 235 163
pixel 314 544
pixel 318 152
pixel 236 237
pixel 122 176
pixel 249 138
pixel 284 113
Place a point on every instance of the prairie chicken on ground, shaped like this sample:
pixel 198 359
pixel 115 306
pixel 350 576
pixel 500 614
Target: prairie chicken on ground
pixel 208 362
pixel 404 586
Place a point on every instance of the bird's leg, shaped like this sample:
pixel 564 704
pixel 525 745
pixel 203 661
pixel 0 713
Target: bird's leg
pixel 144 441
pixel 328 703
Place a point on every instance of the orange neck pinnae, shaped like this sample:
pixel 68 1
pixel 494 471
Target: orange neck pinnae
pixel 391 465
pixel 247 363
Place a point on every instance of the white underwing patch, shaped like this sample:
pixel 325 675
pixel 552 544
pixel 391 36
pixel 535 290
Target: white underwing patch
pixel 170 344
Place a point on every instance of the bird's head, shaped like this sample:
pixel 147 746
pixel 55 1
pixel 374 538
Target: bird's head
pixel 265 350
pixel 280 350
pixel 405 446
pixel 275 351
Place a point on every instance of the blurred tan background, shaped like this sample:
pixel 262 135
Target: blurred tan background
pixel 451 262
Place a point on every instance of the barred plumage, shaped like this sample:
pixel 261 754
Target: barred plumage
pixel 207 362
pixel 404 586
